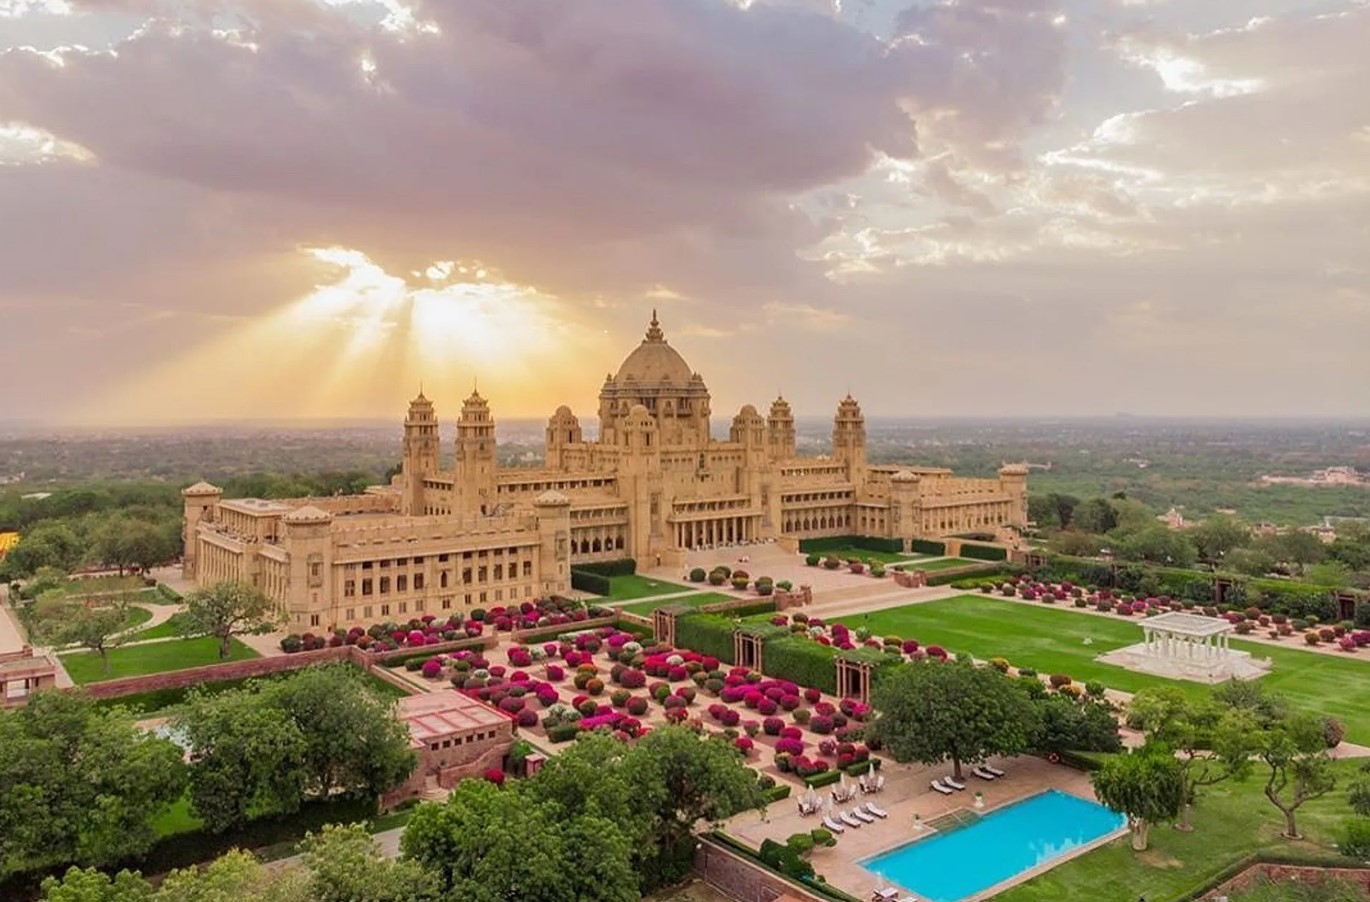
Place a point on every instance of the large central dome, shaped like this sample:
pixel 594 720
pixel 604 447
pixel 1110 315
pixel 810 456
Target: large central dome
pixel 654 362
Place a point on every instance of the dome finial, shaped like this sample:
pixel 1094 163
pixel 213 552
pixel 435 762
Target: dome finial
pixel 654 332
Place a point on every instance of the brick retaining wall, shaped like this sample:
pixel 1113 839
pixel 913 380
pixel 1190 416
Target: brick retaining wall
pixel 1281 873
pixel 739 878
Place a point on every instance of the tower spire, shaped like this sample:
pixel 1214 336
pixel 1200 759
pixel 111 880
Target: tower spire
pixel 654 332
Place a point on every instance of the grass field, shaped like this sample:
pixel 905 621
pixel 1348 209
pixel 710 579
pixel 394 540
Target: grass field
pixel 694 601
pixel 164 630
pixel 945 563
pixel 627 588
pixel 103 584
pixel 1052 640
pixel 161 701
pixel 157 657
pixel 1231 820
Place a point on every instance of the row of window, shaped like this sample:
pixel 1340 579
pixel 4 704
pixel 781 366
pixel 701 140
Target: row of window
pixel 401 583
pixel 481 555
pixel 368 612
pixel 461 740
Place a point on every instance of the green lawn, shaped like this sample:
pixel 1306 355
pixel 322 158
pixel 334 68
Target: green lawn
pixel 1231 820
pixel 95 584
pixel 1052 640
pixel 157 657
pixel 946 563
pixel 178 818
pixel 135 617
pixel 627 588
pixel 697 600
pixel 164 630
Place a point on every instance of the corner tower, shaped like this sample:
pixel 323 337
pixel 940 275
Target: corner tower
pixel 421 447
pixel 476 462
pixel 780 430
pixel 849 438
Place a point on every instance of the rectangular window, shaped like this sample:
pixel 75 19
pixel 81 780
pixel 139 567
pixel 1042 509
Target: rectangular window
pixel 468 599
pixel 442 559
pixel 385 610
pixel 483 598
pixel 433 747
pixel 349 588
pixel 418 581
pixel 366 587
pixel 313 619
pixel 447 604
pixel 401 583
pixel 442 580
pixel 527 568
pixel 366 612
pixel 499 571
pixel 418 561
pixel 499 595
pixel 482 574
pixel 385 585
pixel 351 613
pixel 466 575
pixel 404 607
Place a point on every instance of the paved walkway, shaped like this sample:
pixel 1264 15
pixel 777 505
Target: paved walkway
pixel 11 634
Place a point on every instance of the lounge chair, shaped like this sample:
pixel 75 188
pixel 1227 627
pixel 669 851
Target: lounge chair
pixel 846 818
pixel 944 790
pixel 994 770
pixel 860 814
pixel 833 825
pixel 983 774
pixel 878 812
pixel 953 783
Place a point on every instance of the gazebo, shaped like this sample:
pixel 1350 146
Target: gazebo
pixel 1189 637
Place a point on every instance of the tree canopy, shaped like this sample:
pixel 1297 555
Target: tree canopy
pixel 1146 785
pixel 225 610
pixel 930 712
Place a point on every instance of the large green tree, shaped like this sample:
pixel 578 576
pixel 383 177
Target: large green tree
pixel 93 623
pixel 1295 548
pixel 234 877
pixel 247 758
pixel 80 784
pixel 346 865
pixel 1298 766
pixel 1157 544
pixel 931 712
pixel 1217 536
pixel 1067 724
pixel 354 744
pixel 1146 785
pixel 53 545
pixel 1212 743
pixel 225 610
pixel 1095 516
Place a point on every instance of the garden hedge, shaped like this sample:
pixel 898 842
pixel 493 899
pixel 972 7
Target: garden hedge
pixel 708 634
pixel 622 567
pixel 170 594
pixel 978 571
pixel 594 583
pixel 983 552
pixel 826 778
pixel 928 546
pixel 800 660
pixel 760 606
pixel 776 793
pixel 869 543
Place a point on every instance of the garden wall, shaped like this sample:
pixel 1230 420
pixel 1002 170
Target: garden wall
pixel 1281 873
pixel 737 877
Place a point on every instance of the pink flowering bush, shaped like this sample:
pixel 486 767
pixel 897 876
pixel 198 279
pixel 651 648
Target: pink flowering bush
pixel 821 723
pixel 812 696
pixel 495 775
pixel 432 668
pixel 772 726
pixel 789 746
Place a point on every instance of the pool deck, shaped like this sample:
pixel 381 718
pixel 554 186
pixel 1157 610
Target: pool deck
pixel 907 792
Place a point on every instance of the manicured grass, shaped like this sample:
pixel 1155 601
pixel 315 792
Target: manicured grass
pixel 694 601
pixel 1052 640
pixel 946 563
pixel 161 701
pixel 103 584
pixel 156 657
pixel 178 818
pixel 864 554
pixel 164 630
pixel 627 588
pixel 1231 820
pixel 135 617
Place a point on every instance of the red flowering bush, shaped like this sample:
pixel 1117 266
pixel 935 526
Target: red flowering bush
pixel 766 707
pixel 555 673
pixel 792 733
pixel 789 746
pixel 789 702
pixel 812 696
pixel 637 706
pixel 772 726
pixel 821 723
pixel 731 718
pixel 495 775
pixel 827 748
pixel 632 679
pixel 743 745
pixel 676 715
pixel 432 668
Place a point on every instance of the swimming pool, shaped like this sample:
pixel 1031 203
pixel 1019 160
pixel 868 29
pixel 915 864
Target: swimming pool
pixel 947 867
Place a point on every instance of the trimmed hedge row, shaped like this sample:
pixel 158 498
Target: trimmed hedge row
pixel 776 793
pixel 765 606
pixel 980 571
pixel 168 593
pixel 826 778
pixel 869 543
pixel 928 546
pixel 623 567
pixel 984 552
pixel 594 583
pixel 800 660
pixel 708 634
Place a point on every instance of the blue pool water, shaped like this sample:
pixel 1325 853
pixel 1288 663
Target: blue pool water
pixel 947 867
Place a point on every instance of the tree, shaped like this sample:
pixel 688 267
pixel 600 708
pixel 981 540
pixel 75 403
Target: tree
pixel 235 877
pixel 247 758
pixel 682 780
pixel 354 744
pixel 1075 543
pixel 1217 536
pixel 225 610
pixel 90 885
pixel 1095 516
pixel 1329 573
pixel 1211 743
pixel 1064 508
pixel 91 623
pixel 929 712
pixel 1067 724
pixel 81 784
pixel 347 865
pixel 1146 785
pixel 1158 545
pixel 1249 561
pixel 1295 548
pixel 1358 793
pixel 1295 753
pixel 53 545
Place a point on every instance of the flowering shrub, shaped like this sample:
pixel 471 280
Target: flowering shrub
pixel 802 716
pixel 432 668
pixel 772 726
pixel 632 679
pixel 731 718
pixel 527 718
pixel 637 706
pixel 766 707
pixel 743 745
pixel 827 748
pixel 495 775
pixel 789 746
pixel 751 727
pixel 812 696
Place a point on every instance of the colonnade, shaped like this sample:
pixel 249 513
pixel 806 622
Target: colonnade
pixel 1167 644
pixel 716 531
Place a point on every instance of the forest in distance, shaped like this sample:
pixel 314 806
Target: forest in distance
pixel 1197 466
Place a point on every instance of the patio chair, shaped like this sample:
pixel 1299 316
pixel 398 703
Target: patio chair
pixel 860 814
pixel 994 770
pixel 983 774
pixel 879 783
pixel 944 790
pixel 877 811
pixel 846 818
pixel 833 825
pixel 954 783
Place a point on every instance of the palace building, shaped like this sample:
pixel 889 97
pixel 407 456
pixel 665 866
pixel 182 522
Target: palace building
pixel 651 486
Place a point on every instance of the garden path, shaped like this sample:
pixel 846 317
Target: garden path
pixel 11 636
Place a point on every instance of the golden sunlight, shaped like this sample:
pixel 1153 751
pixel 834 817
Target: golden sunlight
pixel 360 343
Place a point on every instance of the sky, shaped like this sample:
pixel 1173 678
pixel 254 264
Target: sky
pixel 220 209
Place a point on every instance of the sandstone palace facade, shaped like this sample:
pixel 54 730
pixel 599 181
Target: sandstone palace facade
pixel 653 485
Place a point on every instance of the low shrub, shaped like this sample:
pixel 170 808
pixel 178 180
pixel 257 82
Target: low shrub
pixel 823 778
